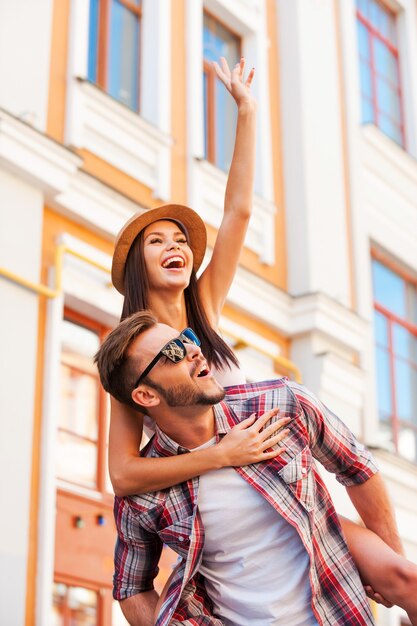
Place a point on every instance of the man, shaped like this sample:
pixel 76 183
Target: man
pixel 259 544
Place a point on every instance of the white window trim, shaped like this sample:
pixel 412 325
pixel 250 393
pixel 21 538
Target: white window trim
pixel 97 122
pixel 407 50
pixel 206 182
pixel 91 202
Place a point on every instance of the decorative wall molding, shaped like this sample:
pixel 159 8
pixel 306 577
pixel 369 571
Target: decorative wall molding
pixel 93 203
pixel 210 185
pixel 119 136
pixel 35 157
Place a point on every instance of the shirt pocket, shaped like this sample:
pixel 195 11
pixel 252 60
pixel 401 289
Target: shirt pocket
pixel 299 475
pixel 177 535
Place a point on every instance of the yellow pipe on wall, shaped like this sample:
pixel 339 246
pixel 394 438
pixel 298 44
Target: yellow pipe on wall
pixel 38 288
pixel 43 290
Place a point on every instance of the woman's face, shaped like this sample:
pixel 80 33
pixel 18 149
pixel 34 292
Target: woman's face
pixel 168 257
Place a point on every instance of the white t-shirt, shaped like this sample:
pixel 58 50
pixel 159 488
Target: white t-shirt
pixel 255 565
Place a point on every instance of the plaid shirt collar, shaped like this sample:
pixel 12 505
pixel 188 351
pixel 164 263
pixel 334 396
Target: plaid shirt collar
pixel 165 446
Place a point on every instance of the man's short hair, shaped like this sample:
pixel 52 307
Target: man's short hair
pixel 117 368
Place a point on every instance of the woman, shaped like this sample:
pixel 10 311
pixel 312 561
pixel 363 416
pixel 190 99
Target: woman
pixel 177 299
pixel 156 258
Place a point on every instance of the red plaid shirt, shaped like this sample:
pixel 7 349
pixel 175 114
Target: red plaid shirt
pixel 290 483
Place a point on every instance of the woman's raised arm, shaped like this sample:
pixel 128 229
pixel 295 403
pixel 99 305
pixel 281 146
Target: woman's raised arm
pixel 215 282
pixel 248 442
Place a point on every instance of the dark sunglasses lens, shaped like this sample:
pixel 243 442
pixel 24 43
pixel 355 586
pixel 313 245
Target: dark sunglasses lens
pixel 189 335
pixel 174 351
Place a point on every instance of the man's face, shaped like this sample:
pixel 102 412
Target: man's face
pixel 186 383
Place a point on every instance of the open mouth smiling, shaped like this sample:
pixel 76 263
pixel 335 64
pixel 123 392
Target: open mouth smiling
pixel 203 371
pixel 174 262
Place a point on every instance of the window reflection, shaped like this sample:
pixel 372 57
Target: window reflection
pixel 93 40
pixel 378 68
pixel 384 385
pixel 396 359
pixel 389 289
pixel 114 42
pixel 218 42
pixel 123 77
pixel 73 606
pixel 79 406
pixel 78 412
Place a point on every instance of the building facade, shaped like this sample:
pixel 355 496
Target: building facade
pixel 108 107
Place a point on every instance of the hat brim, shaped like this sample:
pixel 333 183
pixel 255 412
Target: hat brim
pixel 193 223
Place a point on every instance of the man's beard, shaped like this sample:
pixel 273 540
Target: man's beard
pixel 186 395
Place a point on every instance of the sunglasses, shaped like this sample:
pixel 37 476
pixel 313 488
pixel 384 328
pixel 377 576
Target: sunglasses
pixel 174 350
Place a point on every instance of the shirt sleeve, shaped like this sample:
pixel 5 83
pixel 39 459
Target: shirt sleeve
pixel 136 555
pixel 332 443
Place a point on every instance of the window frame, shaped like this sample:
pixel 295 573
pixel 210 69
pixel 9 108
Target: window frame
pixel 104 596
pixel 373 33
pixel 101 330
pixel 392 318
pixel 103 46
pixel 210 123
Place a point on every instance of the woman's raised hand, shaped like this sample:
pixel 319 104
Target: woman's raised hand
pixel 234 80
pixel 251 440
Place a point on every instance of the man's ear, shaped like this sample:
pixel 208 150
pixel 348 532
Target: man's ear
pixel 145 396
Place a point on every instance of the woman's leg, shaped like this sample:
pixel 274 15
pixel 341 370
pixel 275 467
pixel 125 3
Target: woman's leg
pixel 388 573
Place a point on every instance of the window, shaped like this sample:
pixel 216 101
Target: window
pixel 219 108
pixel 74 605
pixel 114 48
pixel 83 414
pixel 379 68
pixel 396 357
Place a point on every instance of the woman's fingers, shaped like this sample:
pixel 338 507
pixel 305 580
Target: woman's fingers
pixel 220 74
pixel 223 74
pixel 227 76
pixel 225 66
pixel 272 441
pixel 259 426
pixel 249 442
pixel 266 417
pixel 272 428
pixel 376 597
pixel 263 419
pixel 241 66
pixel 237 72
pixel 266 456
pixel 269 436
pixel 250 77
pixel 246 422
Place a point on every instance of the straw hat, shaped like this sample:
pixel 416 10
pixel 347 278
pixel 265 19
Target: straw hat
pixel 194 225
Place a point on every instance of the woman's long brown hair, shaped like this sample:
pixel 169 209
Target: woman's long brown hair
pixel 136 285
